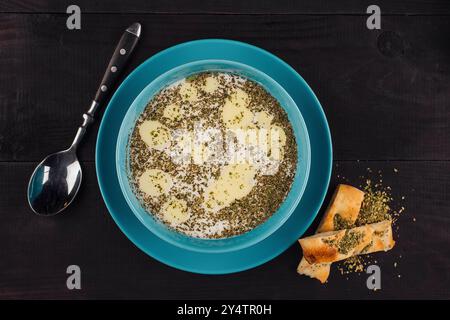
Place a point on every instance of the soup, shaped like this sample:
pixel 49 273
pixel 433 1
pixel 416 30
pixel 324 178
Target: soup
pixel 212 156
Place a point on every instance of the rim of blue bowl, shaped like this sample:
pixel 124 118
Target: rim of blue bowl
pixel 256 237
pixel 129 231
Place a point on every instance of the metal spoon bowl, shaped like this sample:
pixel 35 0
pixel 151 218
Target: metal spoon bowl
pixel 54 183
pixel 56 180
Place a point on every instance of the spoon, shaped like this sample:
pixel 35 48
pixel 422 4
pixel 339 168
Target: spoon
pixel 56 180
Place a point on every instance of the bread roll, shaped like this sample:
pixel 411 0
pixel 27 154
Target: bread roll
pixel 335 246
pixel 346 202
pixel 319 271
pixel 343 209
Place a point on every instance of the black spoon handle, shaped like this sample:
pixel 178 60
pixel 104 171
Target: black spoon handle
pixel 116 65
pixel 118 61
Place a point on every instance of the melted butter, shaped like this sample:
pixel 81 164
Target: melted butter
pixel 211 84
pixel 235 113
pixel 154 134
pixel 235 182
pixel 189 92
pixel 172 112
pixel 277 142
pixel 155 182
pixel 263 119
pixel 175 211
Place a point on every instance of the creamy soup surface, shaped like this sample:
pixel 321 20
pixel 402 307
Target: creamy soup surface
pixel 213 155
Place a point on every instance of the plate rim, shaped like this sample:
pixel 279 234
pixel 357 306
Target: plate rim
pixel 227 270
pixel 293 194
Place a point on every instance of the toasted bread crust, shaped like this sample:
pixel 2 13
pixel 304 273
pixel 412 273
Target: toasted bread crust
pixel 347 200
pixel 319 271
pixel 327 247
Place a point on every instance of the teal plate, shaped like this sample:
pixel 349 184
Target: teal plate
pixel 226 262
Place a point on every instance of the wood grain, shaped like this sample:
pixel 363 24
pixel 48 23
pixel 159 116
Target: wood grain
pixel 385 93
pixel 232 6
pixel 36 251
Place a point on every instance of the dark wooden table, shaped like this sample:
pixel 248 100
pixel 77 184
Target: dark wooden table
pixel 385 93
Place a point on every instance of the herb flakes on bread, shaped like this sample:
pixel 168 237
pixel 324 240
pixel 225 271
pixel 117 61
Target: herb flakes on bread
pixel 341 234
pixel 335 246
pixel 342 212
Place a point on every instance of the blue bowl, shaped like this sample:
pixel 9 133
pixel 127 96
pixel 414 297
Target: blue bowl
pixel 225 244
